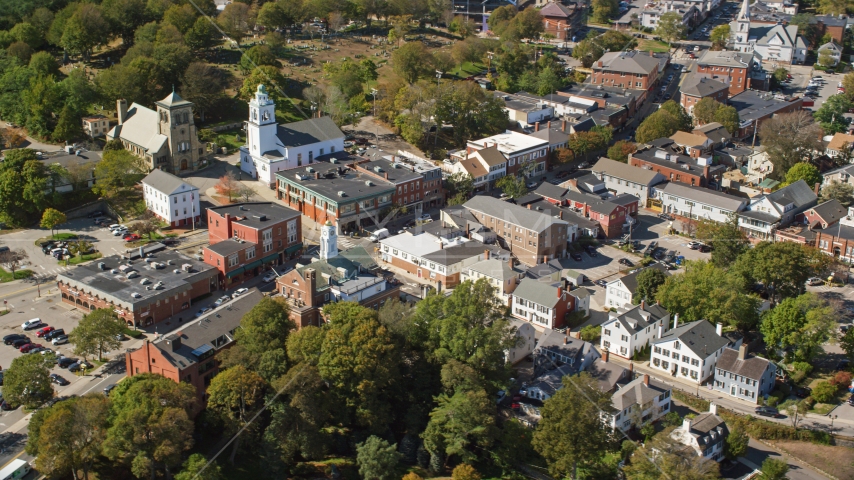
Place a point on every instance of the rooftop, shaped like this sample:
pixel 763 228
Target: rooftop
pixel 510 142
pixel 510 213
pixel 631 280
pixel 704 196
pixel 726 58
pixel 397 172
pixel 668 157
pixel 751 366
pixel 256 214
pixel 753 105
pixel 620 170
pixel 336 181
pixel 457 253
pixel 162 274
pixel 495 268
pixel 629 62
pixel 541 293
pixel 611 95
pixel 166 183
pixel 639 317
pixel 637 392
pixel 700 337
pixel 839 140
pixel 307 132
pixel 699 86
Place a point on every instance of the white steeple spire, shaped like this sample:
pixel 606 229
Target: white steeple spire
pixel 744 14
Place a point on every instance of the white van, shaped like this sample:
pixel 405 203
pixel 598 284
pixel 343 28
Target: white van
pixel 15 469
pixel 379 235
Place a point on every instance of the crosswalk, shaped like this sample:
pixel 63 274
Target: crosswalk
pixel 345 243
pixel 47 272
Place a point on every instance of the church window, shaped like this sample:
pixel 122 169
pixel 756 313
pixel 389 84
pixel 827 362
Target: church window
pixel 254 114
pixel 266 116
pixel 310 156
pixel 299 159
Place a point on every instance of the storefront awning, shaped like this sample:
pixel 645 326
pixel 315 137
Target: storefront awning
pixel 250 266
pixel 234 273
pixel 270 258
pixel 293 248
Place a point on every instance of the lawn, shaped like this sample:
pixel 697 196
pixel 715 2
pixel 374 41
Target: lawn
pixel 468 69
pixel 832 459
pixel 229 139
pixel 7 276
pixel 81 258
pixel 653 45
pixel 823 408
pixel 132 333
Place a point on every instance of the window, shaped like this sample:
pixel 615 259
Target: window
pixel 233 260
pixel 607 332
pixel 624 338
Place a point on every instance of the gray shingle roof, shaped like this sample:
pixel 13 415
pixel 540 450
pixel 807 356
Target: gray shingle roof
pixel 451 255
pixel 636 319
pixel 307 132
pixel 562 344
pixel 229 246
pixel 752 367
pixel 623 171
pixel 700 337
pixel 629 62
pixel 541 293
pixel 698 86
pixel 726 59
pixel 830 211
pixel 798 193
pixel 549 190
pixel 637 392
pixel 166 183
pixel 608 374
pixel 705 196
pixel 631 280
pixel 496 269
pixel 514 214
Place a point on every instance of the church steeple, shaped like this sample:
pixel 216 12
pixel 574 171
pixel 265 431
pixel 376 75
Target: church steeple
pixel 744 14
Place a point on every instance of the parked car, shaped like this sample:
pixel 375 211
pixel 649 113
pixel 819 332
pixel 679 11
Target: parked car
pixel 767 412
pixel 814 281
pixel 59 380
pixel 850 399
pixel 8 339
pixel 802 392
pixel 601 283
pixel 843 365
pixel 44 331
pixel 221 300
pixel 31 324
pixel 626 262
pixel 203 311
pixel 131 238
pixel 27 347
pixel 239 292
pixel 6 406
pixel 576 256
pixel 269 277
pixel 65 362
pixel 80 365
pixel 20 342
pixel 59 340
pixel 96 213
pixel 109 388
pixel 592 251
pixel 54 334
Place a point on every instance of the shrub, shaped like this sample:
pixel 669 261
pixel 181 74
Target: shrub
pixel 671 419
pixel 824 392
pixel 800 371
pixel 465 471
pixel 772 400
pixel 841 379
pixel 590 333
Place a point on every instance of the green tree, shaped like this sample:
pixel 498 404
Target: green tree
pixel 43 63
pixel 841 192
pixel 471 110
pixel 358 359
pixel 658 125
pixel 192 469
pixel 26 32
pixel 408 61
pixel 124 17
pixel 150 426
pixel 97 333
pixel 181 17
pixel 262 339
pixel 69 436
pixel 603 10
pixel 459 184
pixel 790 138
pixel 831 114
pixel 728 117
pixel 621 150
pixel 720 36
pixel 85 30
pixel 377 459
pixel 705 110
pixel 773 469
pixel 235 395
pixel 726 239
pixel 51 218
pixel 579 403
pixel 800 324
pixel 465 471
pixel 461 424
pixel 203 85
pixel 512 186
pixel 670 27
pixel 846 342
pixel 23 183
pixel 782 267
pixel 736 444
pixel 257 56
pixel 803 171
pixel 648 282
pixel 234 20
pixel 705 291
pixel 202 35
pixel 684 121
pixel 548 81
pixel 824 392
pixel 271 77
pixel 116 170
pixel 26 382
pixel 662 457
pixel 68 126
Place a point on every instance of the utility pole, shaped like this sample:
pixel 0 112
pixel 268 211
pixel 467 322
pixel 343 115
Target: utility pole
pixel 374 93
pixel 438 79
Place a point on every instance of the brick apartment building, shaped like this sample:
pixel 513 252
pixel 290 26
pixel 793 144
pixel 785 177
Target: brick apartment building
pixel 189 353
pixel 633 69
pixel 662 158
pixel 532 236
pixel 142 290
pixel 341 193
pixel 696 88
pixel 755 107
pixel 562 21
pixel 245 237
pixel 739 70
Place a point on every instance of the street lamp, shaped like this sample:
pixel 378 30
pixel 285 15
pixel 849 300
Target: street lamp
pixel 832 418
pixel 438 77
pixel 313 108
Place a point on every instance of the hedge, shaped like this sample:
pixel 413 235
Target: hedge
pixel 756 428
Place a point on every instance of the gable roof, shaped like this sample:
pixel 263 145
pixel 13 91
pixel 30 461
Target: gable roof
pixel 565 345
pixel 491 156
pixel 752 367
pixel 307 132
pixel 544 294
pixel 689 139
pixel 637 392
pixel 608 374
pixel 715 132
pixel 553 9
pixel 166 183
pixel 140 127
pixel 474 168
pixel 629 62
pixel 705 196
pixel 639 317
pixel 700 86
pixel 496 269
pixel 548 190
pixel 839 140
pixel 700 337
pixel 521 216
pixel 830 211
pixel 798 193
pixel 623 171
pixel 631 280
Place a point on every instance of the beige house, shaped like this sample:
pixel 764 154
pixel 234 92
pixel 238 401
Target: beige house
pixel 95 125
pixel 166 139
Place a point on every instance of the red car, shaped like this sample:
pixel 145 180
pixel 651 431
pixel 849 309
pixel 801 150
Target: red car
pixel 44 331
pixel 132 237
pixel 515 406
pixel 26 348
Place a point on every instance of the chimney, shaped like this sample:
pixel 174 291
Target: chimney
pixel 385 174
pixel 560 214
pixel 317 175
pixel 719 329
pixel 122 110
pixel 565 339
pixel 510 263
pixel 600 64
pixel 675 320
pixel 563 126
pixel 441 245
pixel 486 254
pixel 559 291
pixel 643 304
pixel 549 125
pixel 660 330
pixel 545 259
pixel 646 379
pixel 631 368
pixel 686 424
pixel 742 351
pixel 713 408
pixel 529 206
pixel 650 54
pixel 311 281
pixel 605 356
pixel 816 187
pixel 141 252
pixel 537 127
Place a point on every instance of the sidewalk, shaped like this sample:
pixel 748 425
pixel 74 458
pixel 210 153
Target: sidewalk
pixel 810 420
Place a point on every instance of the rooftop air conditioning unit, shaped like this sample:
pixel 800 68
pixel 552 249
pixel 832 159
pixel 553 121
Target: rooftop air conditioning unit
pixel 333 160
pixel 369 183
pixel 176 271
pixel 187 267
pixel 132 275
pixel 144 281
pixel 378 169
pixel 309 169
pixel 341 193
pixel 396 165
pixel 136 295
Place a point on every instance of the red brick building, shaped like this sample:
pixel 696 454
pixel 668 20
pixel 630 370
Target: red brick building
pixel 190 352
pixel 632 69
pixel 735 69
pixel 245 237
pixel 561 20
pixel 662 158
pixel 543 305
pixel 142 290
pixel 415 182
pixel 696 88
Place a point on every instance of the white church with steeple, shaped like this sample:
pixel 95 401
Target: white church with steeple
pixel 774 44
pixel 272 147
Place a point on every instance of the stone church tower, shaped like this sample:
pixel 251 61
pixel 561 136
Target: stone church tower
pixel 176 123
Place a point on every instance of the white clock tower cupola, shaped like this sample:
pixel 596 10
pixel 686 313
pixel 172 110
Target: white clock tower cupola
pixel 261 128
pixel 328 241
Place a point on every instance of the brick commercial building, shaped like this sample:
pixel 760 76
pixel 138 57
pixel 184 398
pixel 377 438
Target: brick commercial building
pixel 341 193
pixel 739 70
pixel 245 237
pixel 189 353
pixel 418 182
pixel 351 275
pixel 662 157
pixel 141 290
pixel 532 236
pixel 696 88
pixel 632 69
pixel 755 107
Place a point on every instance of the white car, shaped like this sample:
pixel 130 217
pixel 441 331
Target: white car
pixel 814 281
pixel 269 277
pixel 221 300
pixel 114 226
pixel 349 143
pixel 239 292
pixel 31 324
